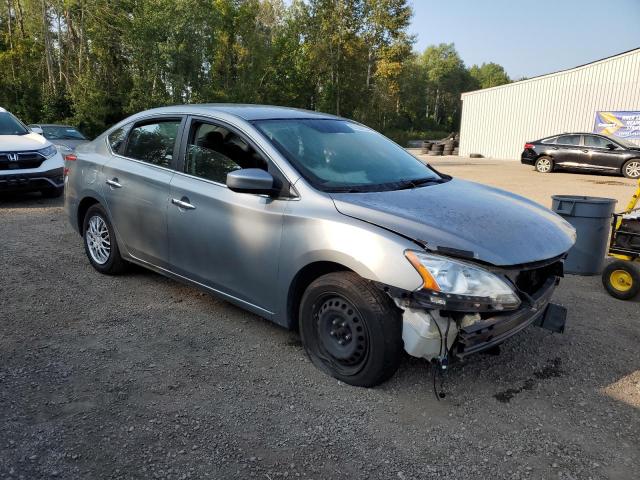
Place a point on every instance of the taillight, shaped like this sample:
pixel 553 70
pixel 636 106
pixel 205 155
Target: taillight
pixel 68 158
pixel 529 146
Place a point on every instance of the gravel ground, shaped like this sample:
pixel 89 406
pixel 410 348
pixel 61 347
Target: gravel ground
pixel 138 376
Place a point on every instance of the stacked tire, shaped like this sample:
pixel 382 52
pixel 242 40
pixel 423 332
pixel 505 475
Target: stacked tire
pixel 436 149
pixel 426 146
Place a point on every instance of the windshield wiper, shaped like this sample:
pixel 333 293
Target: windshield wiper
pixel 417 182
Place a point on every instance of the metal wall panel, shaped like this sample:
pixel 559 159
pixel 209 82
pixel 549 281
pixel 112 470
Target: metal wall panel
pixel 496 122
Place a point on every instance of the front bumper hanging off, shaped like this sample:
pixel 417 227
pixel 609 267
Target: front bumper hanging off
pixel 488 333
pixel 471 332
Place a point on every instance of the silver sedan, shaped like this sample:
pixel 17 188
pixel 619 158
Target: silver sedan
pixel 318 223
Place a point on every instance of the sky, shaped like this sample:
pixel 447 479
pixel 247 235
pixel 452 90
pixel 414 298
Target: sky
pixel 531 37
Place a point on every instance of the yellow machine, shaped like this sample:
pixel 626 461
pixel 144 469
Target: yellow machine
pixel 621 277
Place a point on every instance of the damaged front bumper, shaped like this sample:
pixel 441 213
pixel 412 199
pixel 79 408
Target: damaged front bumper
pixel 434 333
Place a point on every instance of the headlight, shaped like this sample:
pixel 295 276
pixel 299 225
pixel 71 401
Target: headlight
pixel 49 151
pixel 455 285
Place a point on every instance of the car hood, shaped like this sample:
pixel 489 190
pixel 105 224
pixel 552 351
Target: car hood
pixel 17 143
pixel 70 144
pixel 497 226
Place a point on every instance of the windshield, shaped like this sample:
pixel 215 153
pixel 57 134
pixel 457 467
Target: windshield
pixel 10 125
pixel 339 155
pixel 59 132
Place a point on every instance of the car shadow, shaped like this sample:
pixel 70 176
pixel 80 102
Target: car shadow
pixel 28 200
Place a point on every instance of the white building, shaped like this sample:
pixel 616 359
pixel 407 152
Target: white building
pixel 496 122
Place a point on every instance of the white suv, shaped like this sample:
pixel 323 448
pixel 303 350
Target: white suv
pixel 28 161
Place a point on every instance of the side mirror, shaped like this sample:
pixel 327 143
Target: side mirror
pixel 37 130
pixel 611 146
pixel 250 180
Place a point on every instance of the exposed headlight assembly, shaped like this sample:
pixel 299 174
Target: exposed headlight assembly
pixel 454 285
pixel 49 151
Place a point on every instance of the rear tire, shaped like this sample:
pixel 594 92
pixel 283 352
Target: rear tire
pixel 621 279
pixel 100 242
pixel 631 169
pixel 350 329
pixel 53 192
pixel 544 165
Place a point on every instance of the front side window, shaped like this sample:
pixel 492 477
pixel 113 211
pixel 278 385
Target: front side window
pixel 569 140
pixel 339 155
pixel 10 125
pixel 213 151
pixel 153 142
pixel 596 142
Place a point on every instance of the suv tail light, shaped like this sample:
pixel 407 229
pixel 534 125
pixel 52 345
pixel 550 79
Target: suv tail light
pixel 529 146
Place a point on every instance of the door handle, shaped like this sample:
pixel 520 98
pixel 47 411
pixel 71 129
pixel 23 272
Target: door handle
pixel 113 183
pixel 183 203
pixel 554 148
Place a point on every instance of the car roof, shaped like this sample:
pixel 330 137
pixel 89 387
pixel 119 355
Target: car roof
pixel 2 110
pixel 244 111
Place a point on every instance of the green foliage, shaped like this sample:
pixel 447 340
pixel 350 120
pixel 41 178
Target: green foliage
pixel 94 62
pixel 489 75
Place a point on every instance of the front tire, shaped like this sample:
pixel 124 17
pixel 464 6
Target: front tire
pixel 631 169
pixel 544 165
pixel 350 329
pixel 621 279
pixel 100 243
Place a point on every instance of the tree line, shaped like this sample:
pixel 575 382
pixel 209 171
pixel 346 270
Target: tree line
pixel 93 62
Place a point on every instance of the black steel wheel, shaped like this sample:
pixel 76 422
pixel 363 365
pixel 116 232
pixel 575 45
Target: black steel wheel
pixel 350 329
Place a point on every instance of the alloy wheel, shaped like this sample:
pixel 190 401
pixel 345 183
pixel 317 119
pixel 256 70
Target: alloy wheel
pixel 632 170
pixel 543 165
pixel 98 240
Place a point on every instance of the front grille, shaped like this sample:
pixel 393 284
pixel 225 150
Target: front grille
pixel 20 160
pixel 530 281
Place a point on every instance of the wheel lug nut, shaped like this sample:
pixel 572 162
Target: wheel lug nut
pixel 347 337
pixel 332 333
pixel 341 342
pixel 344 324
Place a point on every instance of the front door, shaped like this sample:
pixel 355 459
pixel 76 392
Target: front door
pixel 600 155
pixel 225 240
pixel 138 179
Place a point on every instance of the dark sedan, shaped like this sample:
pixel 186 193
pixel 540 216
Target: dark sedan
pixel 583 151
pixel 65 137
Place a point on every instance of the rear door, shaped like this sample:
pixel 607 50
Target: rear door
pixel 225 240
pixel 601 156
pixel 568 151
pixel 137 186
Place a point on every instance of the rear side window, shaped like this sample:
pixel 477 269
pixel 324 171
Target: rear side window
pixel 596 142
pixel 116 138
pixel 551 140
pixel 569 140
pixel 153 142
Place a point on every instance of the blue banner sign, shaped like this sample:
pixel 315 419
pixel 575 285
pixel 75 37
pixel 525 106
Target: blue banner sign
pixel 618 124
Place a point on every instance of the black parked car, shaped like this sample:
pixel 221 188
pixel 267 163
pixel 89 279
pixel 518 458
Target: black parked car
pixel 583 151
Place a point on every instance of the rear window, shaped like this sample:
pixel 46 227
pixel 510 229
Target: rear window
pixel 569 140
pixel 153 142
